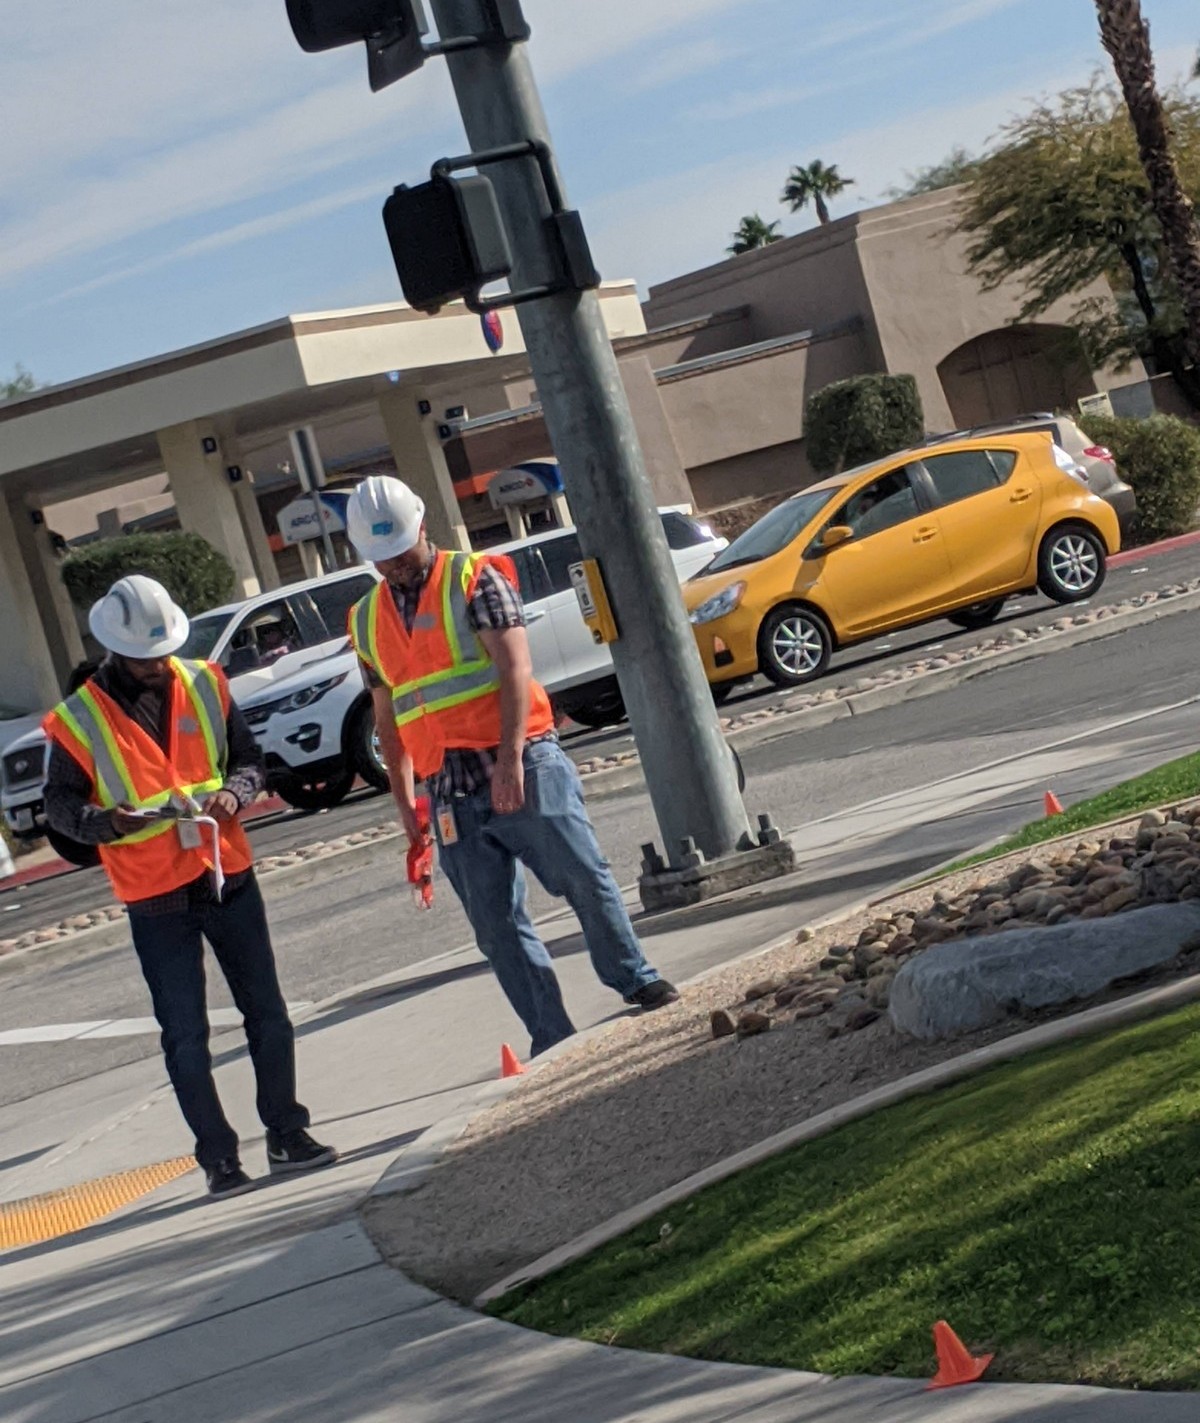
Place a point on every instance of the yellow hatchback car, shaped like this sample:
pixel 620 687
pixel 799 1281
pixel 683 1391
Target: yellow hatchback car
pixel 948 530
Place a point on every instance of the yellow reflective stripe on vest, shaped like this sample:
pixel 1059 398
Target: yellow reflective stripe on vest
pixel 82 714
pixel 456 618
pixel 364 629
pixel 467 678
pixel 200 683
pixel 445 689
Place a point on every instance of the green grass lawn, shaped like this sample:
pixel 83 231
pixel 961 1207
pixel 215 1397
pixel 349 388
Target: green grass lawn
pixel 1049 1209
pixel 1174 781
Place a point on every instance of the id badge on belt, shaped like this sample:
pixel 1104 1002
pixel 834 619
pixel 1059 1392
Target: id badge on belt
pixel 447 825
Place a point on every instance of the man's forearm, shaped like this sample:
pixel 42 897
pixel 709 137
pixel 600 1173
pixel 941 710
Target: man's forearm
pixel 514 710
pixel 509 650
pixel 395 758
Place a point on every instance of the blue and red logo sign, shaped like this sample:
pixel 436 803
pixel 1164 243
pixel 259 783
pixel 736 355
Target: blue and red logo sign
pixel 493 330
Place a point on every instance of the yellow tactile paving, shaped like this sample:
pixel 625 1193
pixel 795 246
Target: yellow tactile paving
pixel 38 1218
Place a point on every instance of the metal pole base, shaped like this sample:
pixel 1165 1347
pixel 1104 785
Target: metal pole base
pixel 696 878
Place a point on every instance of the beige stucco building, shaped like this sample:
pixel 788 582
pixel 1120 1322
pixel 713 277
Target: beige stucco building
pixel 717 364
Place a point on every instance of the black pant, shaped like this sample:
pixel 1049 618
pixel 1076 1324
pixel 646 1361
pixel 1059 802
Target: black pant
pixel 171 950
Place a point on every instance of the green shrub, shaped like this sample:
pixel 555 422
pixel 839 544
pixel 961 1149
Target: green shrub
pixel 1160 458
pixel 191 570
pixel 865 418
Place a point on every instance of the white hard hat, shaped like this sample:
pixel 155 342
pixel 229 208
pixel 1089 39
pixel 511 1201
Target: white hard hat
pixel 384 518
pixel 137 618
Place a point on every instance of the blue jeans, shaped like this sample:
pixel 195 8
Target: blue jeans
pixel 553 836
pixel 171 951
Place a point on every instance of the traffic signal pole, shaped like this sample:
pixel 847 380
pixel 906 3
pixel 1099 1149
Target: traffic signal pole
pixel 687 765
pixel 516 223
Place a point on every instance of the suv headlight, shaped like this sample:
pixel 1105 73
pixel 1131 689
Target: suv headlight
pixel 719 604
pixel 305 697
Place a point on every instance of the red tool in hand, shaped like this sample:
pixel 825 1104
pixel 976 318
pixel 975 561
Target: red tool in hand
pixel 420 857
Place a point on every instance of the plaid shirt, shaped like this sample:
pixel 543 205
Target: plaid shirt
pixel 494 605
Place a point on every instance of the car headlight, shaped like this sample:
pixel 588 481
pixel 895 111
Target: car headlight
pixel 305 697
pixel 719 604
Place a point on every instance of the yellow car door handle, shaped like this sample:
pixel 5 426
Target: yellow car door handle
pixel 1018 496
pixel 924 535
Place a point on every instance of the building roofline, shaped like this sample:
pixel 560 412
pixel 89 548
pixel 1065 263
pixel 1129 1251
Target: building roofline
pixel 782 253
pixel 281 329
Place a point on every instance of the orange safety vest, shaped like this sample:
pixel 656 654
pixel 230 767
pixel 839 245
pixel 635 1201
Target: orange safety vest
pixel 127 765
pixel 445 688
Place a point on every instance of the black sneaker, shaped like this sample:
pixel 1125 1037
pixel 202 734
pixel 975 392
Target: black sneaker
pixel 654 995
pixel 227 1178
pixel 296 1151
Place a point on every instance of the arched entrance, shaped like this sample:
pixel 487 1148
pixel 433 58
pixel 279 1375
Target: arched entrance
pixel 1013 371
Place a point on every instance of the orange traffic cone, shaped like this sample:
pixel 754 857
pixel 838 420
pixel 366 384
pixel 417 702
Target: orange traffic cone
pixel 956 1363
pixel 510 1063
pixel 1053 805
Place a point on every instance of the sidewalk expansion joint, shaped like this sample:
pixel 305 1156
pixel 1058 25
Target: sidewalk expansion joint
pixel 123 1409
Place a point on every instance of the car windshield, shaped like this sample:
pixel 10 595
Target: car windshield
pixel 203 635
pixel 774 531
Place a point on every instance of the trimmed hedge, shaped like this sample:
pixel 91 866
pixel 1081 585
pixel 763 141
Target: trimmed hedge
pixel 191 570
pixel 1160 458
pixel 865 418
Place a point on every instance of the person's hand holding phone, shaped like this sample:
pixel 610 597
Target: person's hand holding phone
pixel 125 819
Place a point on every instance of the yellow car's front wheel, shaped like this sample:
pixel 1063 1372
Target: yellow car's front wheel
pixel 794 645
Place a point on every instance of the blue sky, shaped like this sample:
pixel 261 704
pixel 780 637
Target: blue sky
pixel 172 170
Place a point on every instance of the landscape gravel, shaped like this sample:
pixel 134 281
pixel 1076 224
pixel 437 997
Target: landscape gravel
pixel 751 1049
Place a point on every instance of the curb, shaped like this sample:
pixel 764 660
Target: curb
pixel 1085 1023
pixel 413 1166
pixel 1132 555
pixel 1078 1025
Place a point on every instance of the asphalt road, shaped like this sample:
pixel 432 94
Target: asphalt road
pixel 911 644
pixel 340 927
pixel 30 906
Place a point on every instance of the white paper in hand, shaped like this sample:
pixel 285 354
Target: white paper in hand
pixel 217 873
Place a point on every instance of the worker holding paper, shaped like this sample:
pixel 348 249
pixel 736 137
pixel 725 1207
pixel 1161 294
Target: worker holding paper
pixel 153 763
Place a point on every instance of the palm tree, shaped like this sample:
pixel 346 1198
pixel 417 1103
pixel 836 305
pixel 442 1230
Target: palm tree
pixel 753 232
pixel 814 183
pixel 1126 37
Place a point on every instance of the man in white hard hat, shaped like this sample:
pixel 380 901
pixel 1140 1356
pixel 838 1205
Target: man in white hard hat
pixel 444 650
pixel 148 735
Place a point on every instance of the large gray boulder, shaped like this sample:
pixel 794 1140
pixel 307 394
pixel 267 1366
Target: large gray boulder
pixel 970 983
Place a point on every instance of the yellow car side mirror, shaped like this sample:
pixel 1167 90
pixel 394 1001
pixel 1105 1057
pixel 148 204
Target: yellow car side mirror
pixel 834 535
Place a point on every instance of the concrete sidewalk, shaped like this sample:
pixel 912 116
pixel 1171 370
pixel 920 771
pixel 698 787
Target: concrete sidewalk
pixel 178 1310
pixel 276 1305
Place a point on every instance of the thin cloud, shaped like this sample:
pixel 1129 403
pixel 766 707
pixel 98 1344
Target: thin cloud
pixel 758 101
pixel 229 237
pixel 682 61
pixel 308 136
pixel 185 110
